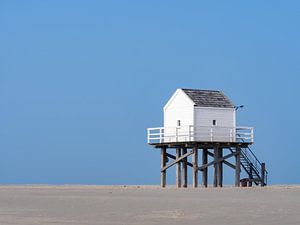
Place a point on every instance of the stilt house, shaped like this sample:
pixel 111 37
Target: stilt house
pixel 206 120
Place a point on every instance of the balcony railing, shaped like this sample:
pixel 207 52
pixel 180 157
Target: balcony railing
pixel 200 134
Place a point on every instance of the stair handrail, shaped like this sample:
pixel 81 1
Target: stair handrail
pixel 254 156
pixel 255 160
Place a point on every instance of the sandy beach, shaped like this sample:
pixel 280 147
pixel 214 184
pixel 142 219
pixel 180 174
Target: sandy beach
pixel 28 205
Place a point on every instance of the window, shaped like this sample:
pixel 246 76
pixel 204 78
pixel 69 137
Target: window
pixel 178 123
pixel 214 122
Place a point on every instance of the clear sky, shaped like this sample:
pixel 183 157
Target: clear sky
pixel 80 81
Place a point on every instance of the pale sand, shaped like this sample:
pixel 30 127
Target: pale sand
pixel 148 205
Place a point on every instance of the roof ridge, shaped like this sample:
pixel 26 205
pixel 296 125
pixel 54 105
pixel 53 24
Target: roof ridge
pixel 192 89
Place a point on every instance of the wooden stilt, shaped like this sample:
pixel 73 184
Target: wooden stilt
pixel 184 150
pixel 163 174
pixel 237 166
pixel 250 175
pixel 178 168
pixel 184 169
pixel 216 165
pixel 195 166
pixel 204 172
pixel 220 168
pixel 263 172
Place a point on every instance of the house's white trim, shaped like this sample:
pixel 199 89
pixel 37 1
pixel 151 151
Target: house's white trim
pixel 174 96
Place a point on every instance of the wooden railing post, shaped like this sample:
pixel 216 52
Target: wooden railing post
pixel 160 136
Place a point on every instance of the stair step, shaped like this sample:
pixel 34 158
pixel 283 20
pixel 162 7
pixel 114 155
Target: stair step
pixel 250 164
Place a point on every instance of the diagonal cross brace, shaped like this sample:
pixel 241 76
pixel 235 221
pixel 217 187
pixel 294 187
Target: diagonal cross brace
pixel 216 161
pixel 225 162
pixel 176 161
pixel 174 157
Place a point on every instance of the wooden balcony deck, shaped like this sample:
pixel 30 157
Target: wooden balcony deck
pixel 200 134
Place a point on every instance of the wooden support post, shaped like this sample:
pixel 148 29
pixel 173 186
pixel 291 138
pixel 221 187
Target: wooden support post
pixel 178 168
pixel 216 157
pixel 250 175
pixel 224 161
pixel 195 166
pixel 237 166
pixel 184 169
pixel 220 168
pixel 163 174
pixel 263 172
pixel 204 172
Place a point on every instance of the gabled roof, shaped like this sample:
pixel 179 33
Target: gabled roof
pixel 208 98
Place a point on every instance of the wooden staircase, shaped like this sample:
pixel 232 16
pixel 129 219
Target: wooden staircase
pixel 253 167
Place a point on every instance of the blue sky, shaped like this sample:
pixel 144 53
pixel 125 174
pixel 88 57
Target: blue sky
pixel 80 81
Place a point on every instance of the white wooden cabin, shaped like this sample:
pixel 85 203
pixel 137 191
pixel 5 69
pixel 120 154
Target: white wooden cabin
pixel 199 116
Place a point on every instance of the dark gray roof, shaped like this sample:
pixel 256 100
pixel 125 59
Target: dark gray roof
pixel 209 98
